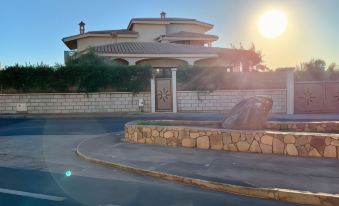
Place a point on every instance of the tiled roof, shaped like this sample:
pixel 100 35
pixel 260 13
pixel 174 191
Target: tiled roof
pixel 119 31
pixel 168 20
pixel 190 34
pixel 157 48
pixel 162 19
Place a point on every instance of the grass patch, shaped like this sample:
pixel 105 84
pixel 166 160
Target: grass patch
pixel 155 123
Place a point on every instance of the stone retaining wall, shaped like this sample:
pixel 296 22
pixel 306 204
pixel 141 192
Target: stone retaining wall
pixel 225 100
pixel 267 142
pixel 75 103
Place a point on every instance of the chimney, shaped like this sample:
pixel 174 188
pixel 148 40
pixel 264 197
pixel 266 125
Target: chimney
pixel 82 27
pixel 163 15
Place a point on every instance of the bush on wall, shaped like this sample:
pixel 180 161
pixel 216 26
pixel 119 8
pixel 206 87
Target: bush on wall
pixel 87 73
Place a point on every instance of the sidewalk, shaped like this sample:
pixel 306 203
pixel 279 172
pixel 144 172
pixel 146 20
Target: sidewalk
pixel 208 116
pixel 242 169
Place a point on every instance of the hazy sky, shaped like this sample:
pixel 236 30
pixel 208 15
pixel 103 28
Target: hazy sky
pixel 31 30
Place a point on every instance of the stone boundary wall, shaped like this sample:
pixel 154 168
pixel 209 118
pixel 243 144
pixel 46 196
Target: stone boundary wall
pixel 76 102
pixel 188 101
pixel 266 142
pixel 326 126
pixel 225 100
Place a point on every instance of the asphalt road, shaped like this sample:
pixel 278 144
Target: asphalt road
pixel 35 153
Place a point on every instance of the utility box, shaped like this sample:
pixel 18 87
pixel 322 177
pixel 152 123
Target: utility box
pixel 22 107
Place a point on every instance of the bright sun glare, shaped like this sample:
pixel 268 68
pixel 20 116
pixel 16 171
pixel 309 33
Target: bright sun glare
pixel 272 23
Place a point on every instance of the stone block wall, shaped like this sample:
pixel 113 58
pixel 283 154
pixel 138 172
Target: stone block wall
pixel 225 100
pixel 188 101
pixel 266 142
pixel 75 103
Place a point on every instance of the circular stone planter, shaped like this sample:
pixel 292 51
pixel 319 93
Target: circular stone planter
pixel 208 135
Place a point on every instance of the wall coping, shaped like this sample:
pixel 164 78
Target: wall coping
pixel 240 90
pixel 90 93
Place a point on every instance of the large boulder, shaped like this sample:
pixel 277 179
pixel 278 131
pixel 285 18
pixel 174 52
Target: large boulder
pixel 250 113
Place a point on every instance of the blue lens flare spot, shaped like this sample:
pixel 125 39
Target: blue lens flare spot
pixel 68 173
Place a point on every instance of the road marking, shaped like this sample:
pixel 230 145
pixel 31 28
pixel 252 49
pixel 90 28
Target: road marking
pixel 33 195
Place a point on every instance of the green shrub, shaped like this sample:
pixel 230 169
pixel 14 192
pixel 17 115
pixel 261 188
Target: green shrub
pixel 86 73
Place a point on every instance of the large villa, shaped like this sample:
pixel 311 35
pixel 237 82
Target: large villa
pixel 160 42
pixel 165 44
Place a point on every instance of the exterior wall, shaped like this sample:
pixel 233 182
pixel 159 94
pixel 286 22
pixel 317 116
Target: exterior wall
pixel 188 101
pixel 96 41
pixel 174 63
pixel 76 103
pixel 148 33
pixel 174 28
pixel 265 142
pixel 224 100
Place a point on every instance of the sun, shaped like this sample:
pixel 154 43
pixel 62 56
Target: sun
pixel 272 23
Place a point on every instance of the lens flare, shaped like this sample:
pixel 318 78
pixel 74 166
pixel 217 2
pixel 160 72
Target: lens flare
pixel 68 173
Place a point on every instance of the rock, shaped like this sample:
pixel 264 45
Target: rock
pixel 203 142
pixel 250 113
pixel 243 146
pixel 278 146
pixel 160 141
pixel 335 143
pixel 291 150
pixel 255 147
pixel 301 140
pixel 155 133
pixel 289 139
pixel 266 149
pixel 230 147
pixel 194 135
pixel 267 140
pixel 226 138
pixel 235 136
pixel 149 141
pixel 216 141
pixel 188 142
pixel 330 151
pixel 168 134
pixel 314 153
pixel 318 143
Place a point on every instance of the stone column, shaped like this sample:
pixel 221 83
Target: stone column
pixel 153 94
pixel 290 91
pixel 174 89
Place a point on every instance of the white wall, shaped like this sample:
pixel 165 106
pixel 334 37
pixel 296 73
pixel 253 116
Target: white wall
pixel 174 28
pixel 149 32
pixel 188 101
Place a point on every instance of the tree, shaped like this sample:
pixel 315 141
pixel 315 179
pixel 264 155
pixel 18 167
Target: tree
pixel 332 67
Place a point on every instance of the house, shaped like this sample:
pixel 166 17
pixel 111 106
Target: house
pixel 165 44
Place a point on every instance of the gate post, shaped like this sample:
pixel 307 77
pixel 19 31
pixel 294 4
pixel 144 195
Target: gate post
pixel 153 94
pixel 174 89
pixel 290 91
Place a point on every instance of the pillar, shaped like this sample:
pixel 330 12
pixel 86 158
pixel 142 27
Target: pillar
pixel 174 89
pixel 290 91
pixel 153 94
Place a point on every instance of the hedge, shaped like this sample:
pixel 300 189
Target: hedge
pixel 75 78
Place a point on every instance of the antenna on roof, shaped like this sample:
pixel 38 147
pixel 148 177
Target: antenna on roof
pixel 163 15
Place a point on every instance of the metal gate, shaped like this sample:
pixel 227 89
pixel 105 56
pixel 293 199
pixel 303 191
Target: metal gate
pixel 316 97
pixel 163 89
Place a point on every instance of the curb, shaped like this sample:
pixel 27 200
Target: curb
pixel 286 195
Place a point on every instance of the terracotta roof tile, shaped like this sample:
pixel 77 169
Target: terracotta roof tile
pixel 157 48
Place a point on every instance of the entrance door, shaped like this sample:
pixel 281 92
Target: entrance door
pixel 163 92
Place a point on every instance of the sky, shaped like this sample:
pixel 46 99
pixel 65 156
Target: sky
pixel 31 30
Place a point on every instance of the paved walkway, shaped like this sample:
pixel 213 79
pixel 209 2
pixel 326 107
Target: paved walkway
pixel 181 115
pixel 243 169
